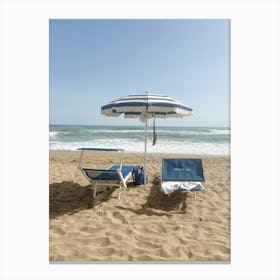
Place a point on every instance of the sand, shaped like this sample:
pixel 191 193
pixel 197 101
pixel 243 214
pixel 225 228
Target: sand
pixel 145 224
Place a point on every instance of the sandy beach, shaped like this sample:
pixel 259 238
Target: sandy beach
pixel 145 224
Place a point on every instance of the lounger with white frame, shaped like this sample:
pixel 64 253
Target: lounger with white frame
pixel 182 174
pixel 116 175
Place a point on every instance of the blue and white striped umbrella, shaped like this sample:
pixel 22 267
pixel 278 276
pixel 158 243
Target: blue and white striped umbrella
pixel 146 106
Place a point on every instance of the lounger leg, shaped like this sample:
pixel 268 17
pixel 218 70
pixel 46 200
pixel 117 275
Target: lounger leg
pixel 122 179
pixel 123 182
pixel 120 193
pixel 94 185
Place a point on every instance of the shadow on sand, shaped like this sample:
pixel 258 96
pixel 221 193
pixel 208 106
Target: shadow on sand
pixel 160 204
pixel 70 197
pixel 160 201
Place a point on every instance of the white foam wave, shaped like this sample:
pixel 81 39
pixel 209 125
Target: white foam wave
pixel 53 134
pixel 58 132
pixel 189 132
pixel 163 146
pixel 140 131
pixel 220 132
pixel 114 131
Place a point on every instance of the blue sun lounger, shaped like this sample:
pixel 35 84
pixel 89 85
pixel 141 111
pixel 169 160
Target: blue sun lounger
pixel 182 174
pixel 116 175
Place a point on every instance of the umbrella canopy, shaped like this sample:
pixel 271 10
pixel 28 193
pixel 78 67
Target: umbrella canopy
pixel 146 106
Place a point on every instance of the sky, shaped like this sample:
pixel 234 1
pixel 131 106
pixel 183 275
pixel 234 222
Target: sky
pixel 93 62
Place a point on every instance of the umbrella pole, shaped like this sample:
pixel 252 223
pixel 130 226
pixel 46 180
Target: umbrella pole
pixel 145 156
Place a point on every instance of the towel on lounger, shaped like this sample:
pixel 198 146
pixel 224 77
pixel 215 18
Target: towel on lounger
pixel 171 186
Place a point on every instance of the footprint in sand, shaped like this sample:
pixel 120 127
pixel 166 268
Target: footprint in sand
pixel 102 241
pixel 90 229
pixel 56 231
pixel 119 216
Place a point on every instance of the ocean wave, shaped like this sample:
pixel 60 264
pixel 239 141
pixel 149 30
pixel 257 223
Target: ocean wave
pixel 196 140
pixel 139 131
pixel 193 132
pixel 220 132
pixel 138 147
pixel 53 133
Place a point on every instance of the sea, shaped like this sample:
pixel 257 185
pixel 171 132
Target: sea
pixel 175 140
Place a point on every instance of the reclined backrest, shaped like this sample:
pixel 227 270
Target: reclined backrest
pixel 181 169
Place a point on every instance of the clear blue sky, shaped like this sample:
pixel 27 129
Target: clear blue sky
pixel 93 62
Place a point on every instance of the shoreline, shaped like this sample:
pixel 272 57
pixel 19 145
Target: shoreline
pixel 152 153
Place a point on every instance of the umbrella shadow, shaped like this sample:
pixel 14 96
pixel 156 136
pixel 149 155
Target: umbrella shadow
pixel 69 197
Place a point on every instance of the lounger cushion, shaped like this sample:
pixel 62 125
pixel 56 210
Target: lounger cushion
pixel 101 174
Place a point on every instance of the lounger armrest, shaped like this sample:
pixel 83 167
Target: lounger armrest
pixel 100 170
pixel 100 149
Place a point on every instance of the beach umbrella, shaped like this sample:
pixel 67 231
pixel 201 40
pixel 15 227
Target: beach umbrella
pixel 146 106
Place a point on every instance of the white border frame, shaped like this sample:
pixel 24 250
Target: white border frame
pixel 254 123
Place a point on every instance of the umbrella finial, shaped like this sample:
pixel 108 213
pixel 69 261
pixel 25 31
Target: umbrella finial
pixel 146 92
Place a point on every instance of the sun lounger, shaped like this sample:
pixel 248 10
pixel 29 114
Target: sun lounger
pixel 182 174
pixel 116 175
